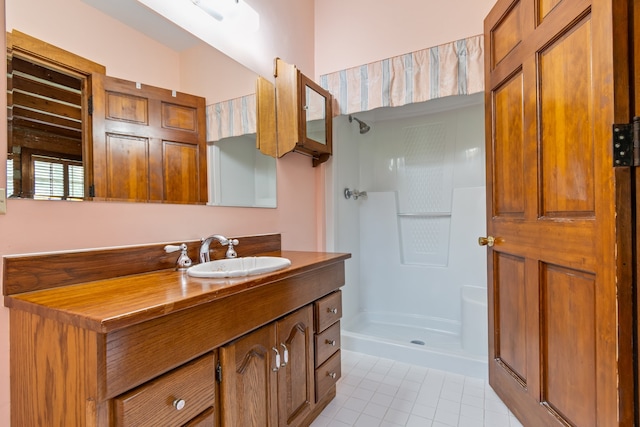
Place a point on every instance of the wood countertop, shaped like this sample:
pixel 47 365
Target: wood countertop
pixel 110 304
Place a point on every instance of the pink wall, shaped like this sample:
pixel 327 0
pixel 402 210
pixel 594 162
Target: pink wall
pixel 356 32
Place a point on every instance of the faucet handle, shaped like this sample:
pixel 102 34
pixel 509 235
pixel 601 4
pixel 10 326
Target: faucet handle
pixel 231 253
pixel 183 261
pixel 172 248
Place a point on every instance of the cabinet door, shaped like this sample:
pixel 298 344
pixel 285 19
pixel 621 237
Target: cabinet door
pixel 248 390
pixel 295 377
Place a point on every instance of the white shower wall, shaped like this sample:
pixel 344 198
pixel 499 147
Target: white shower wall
pixel 423 280
pixel 425 163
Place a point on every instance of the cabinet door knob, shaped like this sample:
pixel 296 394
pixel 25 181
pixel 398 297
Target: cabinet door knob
pixel 331 374
pixel 277 368
pixel 330 342
pixel 285 356
pixel 332 310
pixel 179 404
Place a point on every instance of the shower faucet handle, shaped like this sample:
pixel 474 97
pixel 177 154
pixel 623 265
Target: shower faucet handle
pixel 348 193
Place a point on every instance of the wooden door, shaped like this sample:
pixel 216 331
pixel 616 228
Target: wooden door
pixel 248 390
pixel 148 143
pixel 560 316
pixel 295 377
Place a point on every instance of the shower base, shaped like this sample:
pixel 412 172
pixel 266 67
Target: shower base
pixel 401 338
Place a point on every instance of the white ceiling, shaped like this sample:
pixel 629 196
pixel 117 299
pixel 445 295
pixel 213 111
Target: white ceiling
pixel 148 22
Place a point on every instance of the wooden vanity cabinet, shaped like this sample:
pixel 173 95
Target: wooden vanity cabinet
pixel 84 355
pixel 267 375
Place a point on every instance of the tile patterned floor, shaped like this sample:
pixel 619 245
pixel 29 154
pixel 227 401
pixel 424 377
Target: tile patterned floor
pixel 381 392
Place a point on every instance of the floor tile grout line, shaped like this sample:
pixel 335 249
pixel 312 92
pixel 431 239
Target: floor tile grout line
pixel 445 391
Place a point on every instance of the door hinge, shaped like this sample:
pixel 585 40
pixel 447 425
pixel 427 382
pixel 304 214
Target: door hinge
pixel 219 373
pixel 92 190
pixel 90 106
pixel 626 143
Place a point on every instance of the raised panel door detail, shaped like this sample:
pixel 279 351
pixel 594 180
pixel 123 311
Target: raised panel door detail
pixel 569 344
pixel 506 35
pixel 248 389
pixel 127 108
pixel 295 377
pixel 181 172
pixel 161 117
pixel 508 149
pixel 510 302
pixel 566 138
pixel 179 117
pixel 127 167
pixel 545 7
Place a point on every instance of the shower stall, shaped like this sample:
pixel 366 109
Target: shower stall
pixel 406 198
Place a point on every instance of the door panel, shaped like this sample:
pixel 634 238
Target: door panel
pixel 559 277
pixel 545 7
pixel 568 319
pixel 127 108
pixel 179 117
pixel 127 160
pixel 508 160
pixel 506 34
pixel 566 140
pixel 173 128
pixel 295 382
pixel 248 391
pixel 510 348
pixel 181 172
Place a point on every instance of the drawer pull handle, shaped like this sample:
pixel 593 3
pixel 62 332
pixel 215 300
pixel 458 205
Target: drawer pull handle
pixel 332 310
pixel 330 342
pixel 179 404
pixel 285 356
pixel 332 374
pixel 277 368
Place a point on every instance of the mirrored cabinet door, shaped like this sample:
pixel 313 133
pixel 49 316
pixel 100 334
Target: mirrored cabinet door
pixel 315 112
pixel 314 117
pixel 304 116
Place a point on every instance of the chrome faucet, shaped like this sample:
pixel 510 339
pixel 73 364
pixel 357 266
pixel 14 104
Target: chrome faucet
pixel 204 247
pixel 183 261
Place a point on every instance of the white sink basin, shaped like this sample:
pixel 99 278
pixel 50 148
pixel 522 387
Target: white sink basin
pixel 238 267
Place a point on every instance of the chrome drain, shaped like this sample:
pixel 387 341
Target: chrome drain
pixel 418 342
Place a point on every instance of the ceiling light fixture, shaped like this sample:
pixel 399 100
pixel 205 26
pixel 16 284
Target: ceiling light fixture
pixel 236 13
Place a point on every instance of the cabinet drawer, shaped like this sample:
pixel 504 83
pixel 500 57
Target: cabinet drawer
pixel 206 419
pixel 190 388
pixel 328 310
pixel 327 343
pixel 327 375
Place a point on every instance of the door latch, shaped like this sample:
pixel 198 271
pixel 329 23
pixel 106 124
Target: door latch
pixel 626 143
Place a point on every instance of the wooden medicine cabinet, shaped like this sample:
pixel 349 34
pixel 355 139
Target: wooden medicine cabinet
pixel 304 115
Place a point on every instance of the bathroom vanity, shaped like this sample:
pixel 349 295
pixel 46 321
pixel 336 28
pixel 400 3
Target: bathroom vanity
pixel 93 347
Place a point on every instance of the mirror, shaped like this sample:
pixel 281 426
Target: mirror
pixel 315 115
pixel 242 176
pixel 157 53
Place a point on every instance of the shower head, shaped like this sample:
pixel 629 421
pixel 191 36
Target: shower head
pixel 364 128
